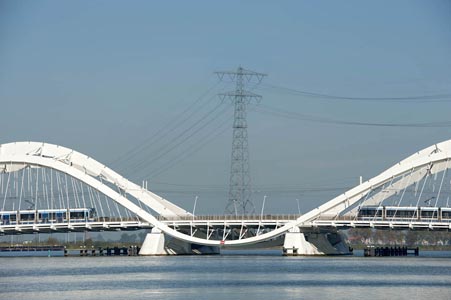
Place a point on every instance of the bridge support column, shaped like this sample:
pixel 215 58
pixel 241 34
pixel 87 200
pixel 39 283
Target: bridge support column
pixel 153 243
pixel 157 243
pixel 310 243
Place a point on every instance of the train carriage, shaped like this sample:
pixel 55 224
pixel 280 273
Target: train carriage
pixel 389 213
pixel 446 214
pixel 8 217
pixel 44 216
pixel 26 216
pixel 401 213
pixel 429 213
pixel 370 212
pixel 52 216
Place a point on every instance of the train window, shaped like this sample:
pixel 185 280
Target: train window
pixel 9 218
pixel 27 216
pixel 405 213
pixel 390 213
pixel 44 216
pixel 5 219
pixel 77 214
pixel 370 212
pixel 428 214
pixel 60 216
pixel 401 213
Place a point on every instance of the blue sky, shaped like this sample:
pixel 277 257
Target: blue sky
pixel 103 77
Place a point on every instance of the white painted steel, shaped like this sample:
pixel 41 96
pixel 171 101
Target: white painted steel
pixel 10 161
pixel 13 156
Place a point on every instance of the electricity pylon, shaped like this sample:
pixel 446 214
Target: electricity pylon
pixel 239 202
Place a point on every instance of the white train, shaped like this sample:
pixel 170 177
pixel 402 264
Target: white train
pixel 383 213
pixel 47 216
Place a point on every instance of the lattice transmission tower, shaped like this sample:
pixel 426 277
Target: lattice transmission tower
pixel 239 202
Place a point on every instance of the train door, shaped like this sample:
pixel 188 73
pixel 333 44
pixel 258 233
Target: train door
pixel 5 219
pixel 45 217
pixel 59 217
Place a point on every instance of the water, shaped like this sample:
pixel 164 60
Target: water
pixel 264 276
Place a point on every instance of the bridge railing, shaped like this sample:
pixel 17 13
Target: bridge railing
pixel 77 221
pixel 386 219
pixel 271 217
pixel 335 217
pixel 105 219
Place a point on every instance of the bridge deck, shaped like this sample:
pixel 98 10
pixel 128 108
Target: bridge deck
pixel 267 222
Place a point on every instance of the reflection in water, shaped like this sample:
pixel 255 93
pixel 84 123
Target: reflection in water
pixel 226 277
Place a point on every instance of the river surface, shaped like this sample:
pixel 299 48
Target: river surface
pixel 259 275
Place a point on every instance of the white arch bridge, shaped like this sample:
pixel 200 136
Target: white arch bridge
pixel 49 188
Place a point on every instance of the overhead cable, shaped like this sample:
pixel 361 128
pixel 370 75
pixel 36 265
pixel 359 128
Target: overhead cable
pixel 444 97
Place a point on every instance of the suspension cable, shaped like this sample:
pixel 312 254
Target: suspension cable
pixel 7 185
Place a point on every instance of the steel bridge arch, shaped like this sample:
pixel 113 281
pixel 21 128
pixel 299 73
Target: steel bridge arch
pixel 14 156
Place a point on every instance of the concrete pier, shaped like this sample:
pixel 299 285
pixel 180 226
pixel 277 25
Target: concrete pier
pixel 157 243
pixel 312 243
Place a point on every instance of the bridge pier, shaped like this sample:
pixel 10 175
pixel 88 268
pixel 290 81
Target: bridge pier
pixel 157 243
pixel 153 243
pixel 314 243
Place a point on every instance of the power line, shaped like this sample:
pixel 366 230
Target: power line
pixel 445 97
pixel 206 140
pixel 168 148
pixel 197 186
pixel 201 143
pixel 167 128
pixel 260 187
pixel 268 110
pixel 299 190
